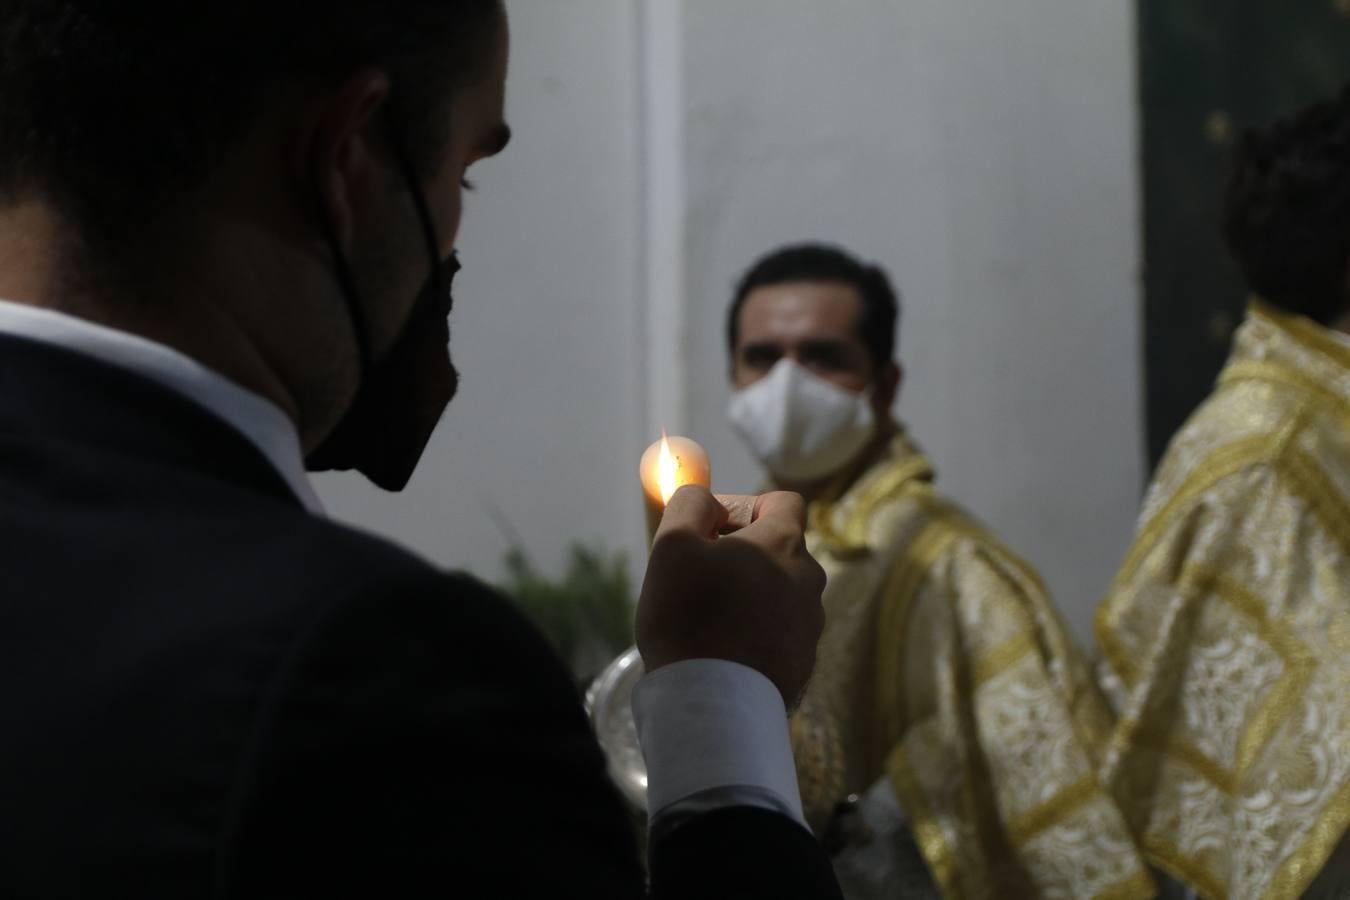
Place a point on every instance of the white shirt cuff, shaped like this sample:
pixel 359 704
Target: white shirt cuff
pixel 709 724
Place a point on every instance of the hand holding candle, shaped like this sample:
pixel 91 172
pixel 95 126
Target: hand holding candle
pixel 668 465
pixel 750 597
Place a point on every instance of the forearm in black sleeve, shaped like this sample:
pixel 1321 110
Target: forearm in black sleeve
pixel 745 853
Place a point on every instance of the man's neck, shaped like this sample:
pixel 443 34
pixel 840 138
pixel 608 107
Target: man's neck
pixel 36 269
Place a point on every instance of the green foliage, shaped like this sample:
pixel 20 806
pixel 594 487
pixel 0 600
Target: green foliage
pixel 587 615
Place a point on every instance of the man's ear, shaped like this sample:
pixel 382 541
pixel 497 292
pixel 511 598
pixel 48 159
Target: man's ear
pixel 887 388
pixel 334 152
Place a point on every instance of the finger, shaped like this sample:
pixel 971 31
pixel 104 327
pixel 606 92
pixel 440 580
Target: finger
pixel 782 507
pixel 779 521
pixel 740 511
pixel 693 510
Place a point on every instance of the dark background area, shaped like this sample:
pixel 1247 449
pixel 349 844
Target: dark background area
pixel 1209 69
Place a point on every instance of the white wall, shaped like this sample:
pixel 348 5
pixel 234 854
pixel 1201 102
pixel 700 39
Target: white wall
pixel 982 151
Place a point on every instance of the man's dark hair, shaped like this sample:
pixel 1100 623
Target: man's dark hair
pixel 823 262
pixel 111 109
pixel 1287 211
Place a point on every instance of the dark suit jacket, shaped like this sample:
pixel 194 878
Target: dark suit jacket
pixel 207 692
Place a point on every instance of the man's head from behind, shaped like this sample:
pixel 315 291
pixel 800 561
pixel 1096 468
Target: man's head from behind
pixel 255 167
pixel 1287 212
pixel 814 315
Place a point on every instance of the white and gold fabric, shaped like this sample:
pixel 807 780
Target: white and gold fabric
pixel 1226 636
pixel 945 672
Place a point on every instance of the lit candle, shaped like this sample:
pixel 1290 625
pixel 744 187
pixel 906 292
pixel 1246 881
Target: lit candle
pixel 667 466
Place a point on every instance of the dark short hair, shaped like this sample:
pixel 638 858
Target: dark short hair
pixel 111 109
pixel 1287 210
pixel 824 262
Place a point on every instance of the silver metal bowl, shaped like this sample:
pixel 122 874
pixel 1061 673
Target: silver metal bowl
pixel 609 703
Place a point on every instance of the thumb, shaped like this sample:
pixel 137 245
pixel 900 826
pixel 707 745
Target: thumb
pixel 740 511
pixel 781 506
pixel 693 510
pixel 779 516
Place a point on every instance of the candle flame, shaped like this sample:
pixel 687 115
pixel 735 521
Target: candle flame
pixel 667 471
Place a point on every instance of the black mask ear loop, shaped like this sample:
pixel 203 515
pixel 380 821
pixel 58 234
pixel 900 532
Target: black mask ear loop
pixel 346 280
pixel 439 282
pixel 342 267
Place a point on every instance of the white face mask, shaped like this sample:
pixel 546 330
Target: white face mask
pixel 800 427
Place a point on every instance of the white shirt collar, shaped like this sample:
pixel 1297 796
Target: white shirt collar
pixel 256 418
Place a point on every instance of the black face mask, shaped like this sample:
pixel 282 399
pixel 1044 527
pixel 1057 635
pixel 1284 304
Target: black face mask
pixel 402 396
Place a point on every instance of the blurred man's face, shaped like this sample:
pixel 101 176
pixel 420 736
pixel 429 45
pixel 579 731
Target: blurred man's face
pixel 814 324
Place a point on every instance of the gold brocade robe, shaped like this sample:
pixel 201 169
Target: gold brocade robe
pixel 1227 634
pixel 944 669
